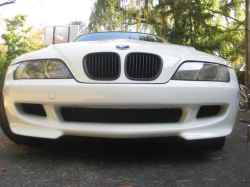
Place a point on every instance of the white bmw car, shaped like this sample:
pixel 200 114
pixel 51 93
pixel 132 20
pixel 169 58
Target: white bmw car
pixel 119 85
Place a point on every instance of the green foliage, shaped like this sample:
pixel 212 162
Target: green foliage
pixel 107 15
pixel 213 26
pixel 17 41
pixel 3 64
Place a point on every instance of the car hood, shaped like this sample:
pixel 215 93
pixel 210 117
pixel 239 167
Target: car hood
pixel 73 53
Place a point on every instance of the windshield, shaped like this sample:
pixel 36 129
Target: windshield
pixel 119 35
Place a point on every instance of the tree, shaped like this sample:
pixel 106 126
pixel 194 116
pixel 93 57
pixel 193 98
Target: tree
pixel 213 26
pixel 107 15
pixel 17 41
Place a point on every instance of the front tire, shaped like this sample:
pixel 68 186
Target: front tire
pixel 4 124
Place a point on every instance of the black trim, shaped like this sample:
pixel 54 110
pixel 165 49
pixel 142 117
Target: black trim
pixel 143 79
pixel 199 80
pixel 101 79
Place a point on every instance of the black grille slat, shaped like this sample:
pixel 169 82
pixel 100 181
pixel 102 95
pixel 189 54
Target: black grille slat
pixel 156 65
pixel 102 66
pixel 92 64
pixel 99 66
pixel 143 66
pixel 107 115
pixel 133 68
pixel 146 62
pixel 114 62
pixel 136 66
pixel 95 66
pixel 106 67
pixel 149 67
pixel 140 65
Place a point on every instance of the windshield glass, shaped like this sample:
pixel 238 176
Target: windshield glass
pixel 119 35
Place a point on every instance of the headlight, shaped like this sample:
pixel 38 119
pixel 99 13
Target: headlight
pixel 198 71
pixel 42 69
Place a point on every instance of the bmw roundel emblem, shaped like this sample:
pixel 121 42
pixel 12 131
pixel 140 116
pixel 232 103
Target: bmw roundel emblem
pixel 122 47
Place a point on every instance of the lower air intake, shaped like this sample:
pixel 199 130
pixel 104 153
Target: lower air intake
pixel 34 109
pixel 208 111
pixel 106 115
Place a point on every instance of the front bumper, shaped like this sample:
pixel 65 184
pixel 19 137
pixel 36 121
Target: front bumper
pixel 54 94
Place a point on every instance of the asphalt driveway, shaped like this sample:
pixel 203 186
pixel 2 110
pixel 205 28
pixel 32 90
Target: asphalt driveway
pixel 77 161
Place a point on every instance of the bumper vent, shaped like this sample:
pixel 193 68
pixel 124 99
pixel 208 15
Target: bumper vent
pixel 34 109
pixel 102 66
pixel 105 115
pixel 208 111
pixel 143 66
